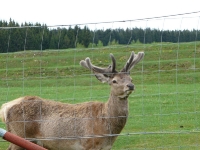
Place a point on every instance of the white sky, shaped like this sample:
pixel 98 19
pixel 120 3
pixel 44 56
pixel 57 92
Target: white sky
pixel 65 12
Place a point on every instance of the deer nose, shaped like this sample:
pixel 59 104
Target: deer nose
pixel 130 86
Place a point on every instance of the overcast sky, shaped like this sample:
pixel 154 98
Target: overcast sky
pixel 65 12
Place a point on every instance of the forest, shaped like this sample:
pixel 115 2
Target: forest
pixel 28 36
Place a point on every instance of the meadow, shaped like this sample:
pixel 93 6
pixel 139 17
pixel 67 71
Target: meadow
pixel 164 110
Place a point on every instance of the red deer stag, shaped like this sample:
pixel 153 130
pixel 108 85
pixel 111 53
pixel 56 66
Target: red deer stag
pixel 85 126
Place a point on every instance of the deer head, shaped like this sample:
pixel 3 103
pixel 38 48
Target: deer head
pixel 120 82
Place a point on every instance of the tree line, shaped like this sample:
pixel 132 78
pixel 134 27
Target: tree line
pixel 29 36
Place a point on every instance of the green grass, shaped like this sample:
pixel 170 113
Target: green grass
pixel 163 111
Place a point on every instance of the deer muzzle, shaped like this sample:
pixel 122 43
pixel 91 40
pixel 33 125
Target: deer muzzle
pixel 130 86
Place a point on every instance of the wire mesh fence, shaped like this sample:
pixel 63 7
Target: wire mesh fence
pixel 164 109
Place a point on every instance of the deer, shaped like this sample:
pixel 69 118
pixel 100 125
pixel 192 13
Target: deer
pixel 89 125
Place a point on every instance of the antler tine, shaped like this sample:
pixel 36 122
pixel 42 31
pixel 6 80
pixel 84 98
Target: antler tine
pixel 113 66
pixel 136 59
pixel 93 67
pixel 83 63
pixel 128 63
pixel 87 64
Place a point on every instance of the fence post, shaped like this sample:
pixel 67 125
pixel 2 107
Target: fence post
pixel 19 141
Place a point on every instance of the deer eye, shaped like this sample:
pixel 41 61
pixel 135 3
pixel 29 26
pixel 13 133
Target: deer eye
pixel 114 81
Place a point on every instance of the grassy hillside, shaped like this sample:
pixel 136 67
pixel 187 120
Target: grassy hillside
pixel 164 109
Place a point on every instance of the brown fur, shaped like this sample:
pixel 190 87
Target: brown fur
pixel 86 126
pixel 50 119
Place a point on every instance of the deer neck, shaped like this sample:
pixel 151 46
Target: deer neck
pixel 117 106
pixel 117 111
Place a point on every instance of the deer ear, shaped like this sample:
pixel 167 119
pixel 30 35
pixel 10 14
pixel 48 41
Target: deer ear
pixel 102 77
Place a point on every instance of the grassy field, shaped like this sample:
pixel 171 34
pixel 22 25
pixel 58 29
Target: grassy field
pixel 164 110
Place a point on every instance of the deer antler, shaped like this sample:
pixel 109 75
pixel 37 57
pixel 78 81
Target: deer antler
pixel 132 61
pixel 109 70
pixel 128 63
pixel 101 74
